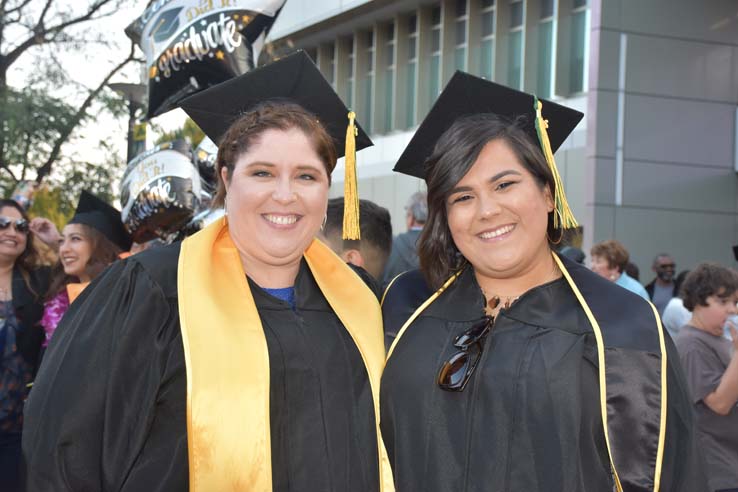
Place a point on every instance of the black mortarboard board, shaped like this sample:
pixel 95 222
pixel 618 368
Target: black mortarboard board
pixel 467 95
pixel 104 218
pixel 293 78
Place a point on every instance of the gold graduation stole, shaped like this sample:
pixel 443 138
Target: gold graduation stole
pixel 75 289
pixel 228 428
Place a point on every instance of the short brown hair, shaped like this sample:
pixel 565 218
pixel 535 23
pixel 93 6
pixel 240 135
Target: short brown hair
pixel 612 251
pixel 453 156
pixel 707 279
pixel 280 115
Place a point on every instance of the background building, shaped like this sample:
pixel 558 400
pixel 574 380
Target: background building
pixel 654 162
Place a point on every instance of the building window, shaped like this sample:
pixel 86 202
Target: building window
pixel 350 63
pixel 369 79
pixel 330 65
pixel 460 28
pixel 515 44
pixel 577 57
pixel 389 78
pixel 546 42
pixel 434 77
pixel 487 51
pixel 412 70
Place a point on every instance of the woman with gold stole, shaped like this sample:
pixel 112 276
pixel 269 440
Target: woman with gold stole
pixel 245 358
pixel 514 368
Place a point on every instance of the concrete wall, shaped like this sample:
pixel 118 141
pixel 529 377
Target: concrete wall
pixel 661 151
pixel 298 14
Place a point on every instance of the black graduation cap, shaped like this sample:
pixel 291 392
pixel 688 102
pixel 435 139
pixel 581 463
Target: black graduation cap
pixel 293 78
pixel 96 213
pixel 466 95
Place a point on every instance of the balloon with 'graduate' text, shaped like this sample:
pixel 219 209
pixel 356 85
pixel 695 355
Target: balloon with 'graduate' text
pixel 191 45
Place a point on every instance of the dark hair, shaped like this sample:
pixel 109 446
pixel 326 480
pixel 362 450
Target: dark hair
pixel 104 252
pixel 454 154
pixel 679 281
pixel 631 269
pixel 375 221
pixel 29 259
pixel 612 251
pixel 271 115
pixel 707 279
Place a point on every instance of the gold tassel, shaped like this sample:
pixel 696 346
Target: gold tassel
pixel 351 228
pixel 562 212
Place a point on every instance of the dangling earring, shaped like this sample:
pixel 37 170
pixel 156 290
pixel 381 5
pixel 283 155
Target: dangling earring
pixel 225 206
pixel 325 220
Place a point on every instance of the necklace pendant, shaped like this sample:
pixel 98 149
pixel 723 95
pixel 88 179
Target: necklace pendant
pixel 493 302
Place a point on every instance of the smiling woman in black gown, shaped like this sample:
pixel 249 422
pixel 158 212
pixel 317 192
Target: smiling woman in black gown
pixel 245 359
pixel 515 369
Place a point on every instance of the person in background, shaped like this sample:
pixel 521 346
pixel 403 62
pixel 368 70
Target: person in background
pixel 22 287
pixel 372 250
pixel 404 255
pixel 711 366
pixel 609 259
pixel 663 287
pixel 675 315
pixel 93 239
pixel 573 253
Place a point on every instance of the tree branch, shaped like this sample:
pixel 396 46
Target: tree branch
pixel 15 9
pixel 12 174
pixel 40 33
pixel 45 169
pixel 40 23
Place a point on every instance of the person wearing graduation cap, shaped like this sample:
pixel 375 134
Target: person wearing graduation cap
pixel 514 368
pixel 92 239
pixel 247 357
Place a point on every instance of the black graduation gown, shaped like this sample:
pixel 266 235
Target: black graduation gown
pixel 529 419
pixel 108 409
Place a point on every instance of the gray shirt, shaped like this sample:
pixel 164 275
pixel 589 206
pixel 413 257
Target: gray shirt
pixel 705 358
pixel 662 296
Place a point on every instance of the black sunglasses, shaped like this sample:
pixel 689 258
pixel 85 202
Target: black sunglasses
pixel 457 370
pixel 21 225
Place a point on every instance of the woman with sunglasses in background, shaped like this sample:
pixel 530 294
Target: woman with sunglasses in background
pixel 516 369
pixel 93 239
pixel 23 284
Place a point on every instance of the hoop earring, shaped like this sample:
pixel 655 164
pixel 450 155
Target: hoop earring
pixel 561 236
pixel 325 220
pixel 560 228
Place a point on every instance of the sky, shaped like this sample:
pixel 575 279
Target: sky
pixel 88 67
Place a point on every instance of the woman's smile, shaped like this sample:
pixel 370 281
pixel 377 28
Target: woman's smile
pixel 282 221
pixel 497 234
